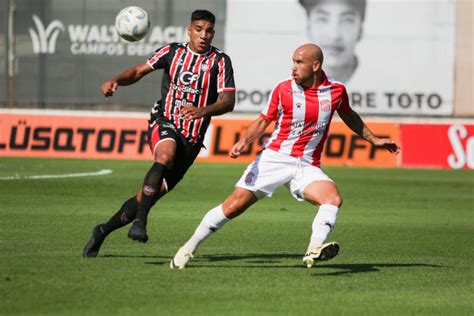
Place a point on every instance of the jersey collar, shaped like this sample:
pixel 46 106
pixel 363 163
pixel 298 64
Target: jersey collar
pixel 202 54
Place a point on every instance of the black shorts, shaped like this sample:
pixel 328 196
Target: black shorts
pixel 185 155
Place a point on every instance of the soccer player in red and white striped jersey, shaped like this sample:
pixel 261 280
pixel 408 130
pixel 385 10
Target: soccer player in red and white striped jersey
pixel 198 82
pixel 302 106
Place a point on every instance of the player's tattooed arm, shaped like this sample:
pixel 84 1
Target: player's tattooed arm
pixel 225 103
pixel 355 123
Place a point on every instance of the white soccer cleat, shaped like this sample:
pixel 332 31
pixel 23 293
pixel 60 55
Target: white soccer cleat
pixel 324 252
pixel 181 258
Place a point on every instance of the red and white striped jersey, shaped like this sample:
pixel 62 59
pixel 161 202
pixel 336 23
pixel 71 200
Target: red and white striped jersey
pixel 303 116
pixel 193 79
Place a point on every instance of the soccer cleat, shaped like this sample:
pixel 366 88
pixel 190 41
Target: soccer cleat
pixel 138 232
pixel 181 258
pixel 324 252
pixel 93 246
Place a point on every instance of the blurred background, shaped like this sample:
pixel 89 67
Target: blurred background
pixel 408 67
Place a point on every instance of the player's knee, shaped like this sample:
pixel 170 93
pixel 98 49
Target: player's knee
pixel 233 207
pixel 238 202
pixel 164 159
pixel 333 199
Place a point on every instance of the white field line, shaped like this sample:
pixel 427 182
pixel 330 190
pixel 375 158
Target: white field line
pixel 102 172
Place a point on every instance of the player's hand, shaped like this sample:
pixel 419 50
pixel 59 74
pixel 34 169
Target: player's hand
pixel 387 144
pixel 189 112
pixel 237 149
pixel 109 87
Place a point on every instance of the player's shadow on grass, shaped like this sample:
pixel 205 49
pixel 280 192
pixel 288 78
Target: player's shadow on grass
pixel 347 269
pixel 131 256
pixel 251 260
pixel 273 260
pixel 163 259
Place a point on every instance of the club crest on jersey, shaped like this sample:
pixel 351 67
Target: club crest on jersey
pixel 325 105
pixel 204 67
pixel 249 178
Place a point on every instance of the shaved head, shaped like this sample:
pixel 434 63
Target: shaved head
pixel 311 51
pixel 307 63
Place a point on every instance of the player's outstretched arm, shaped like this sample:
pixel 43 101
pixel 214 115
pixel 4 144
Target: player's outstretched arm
pixel 253 131
pixel 128 77
pixel 225 103
pixel 355 123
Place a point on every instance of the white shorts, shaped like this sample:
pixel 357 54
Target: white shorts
pixel 272 169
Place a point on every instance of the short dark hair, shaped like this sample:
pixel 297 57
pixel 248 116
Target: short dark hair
pixel 359 5
pixel 205 15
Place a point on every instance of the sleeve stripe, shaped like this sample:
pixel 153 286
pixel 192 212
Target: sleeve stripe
pixel 221 75
pixel 226 90
pixel 154 59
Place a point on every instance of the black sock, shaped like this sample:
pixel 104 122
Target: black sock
pixel 150 192
pixel 125 215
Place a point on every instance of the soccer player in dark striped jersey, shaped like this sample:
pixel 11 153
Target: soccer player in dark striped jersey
pixel 198 82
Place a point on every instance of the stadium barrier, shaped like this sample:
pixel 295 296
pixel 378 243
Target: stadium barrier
pixel 123 136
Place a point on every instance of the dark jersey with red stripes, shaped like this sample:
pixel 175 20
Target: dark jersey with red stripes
pixel 193 79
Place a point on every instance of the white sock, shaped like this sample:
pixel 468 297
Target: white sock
pixel 211 222
pixel 323 224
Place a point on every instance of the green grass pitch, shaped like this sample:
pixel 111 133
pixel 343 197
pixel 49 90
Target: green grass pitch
pixel 406 241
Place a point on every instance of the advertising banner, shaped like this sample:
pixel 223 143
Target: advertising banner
pixel 67 136
pixel 343 147
pixel 438 145
pixel 424 145
pixel 66 49
pixel 395 57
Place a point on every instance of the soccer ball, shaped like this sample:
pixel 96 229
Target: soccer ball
pixel 132 23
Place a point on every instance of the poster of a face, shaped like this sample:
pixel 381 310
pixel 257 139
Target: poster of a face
pixel 395 57
pixel 336 26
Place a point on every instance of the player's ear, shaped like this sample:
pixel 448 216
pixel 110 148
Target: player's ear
pixel 316 65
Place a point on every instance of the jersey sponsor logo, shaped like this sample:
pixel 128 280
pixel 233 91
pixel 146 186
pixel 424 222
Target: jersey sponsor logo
pixel 301 128
pixel 292 91
pixel 187 77
pixel 186 89
pixel 180 103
